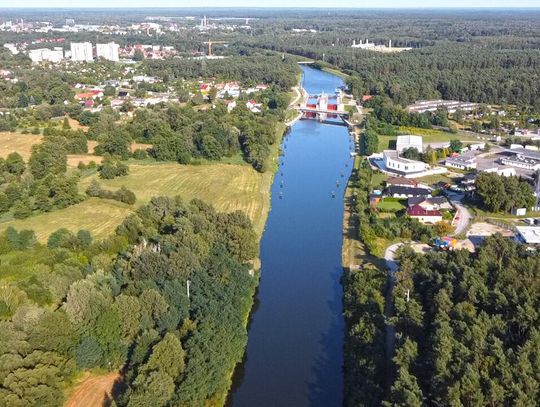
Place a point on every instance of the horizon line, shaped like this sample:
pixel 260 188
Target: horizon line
pixel 277 8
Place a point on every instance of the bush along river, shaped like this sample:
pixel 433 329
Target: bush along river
pixel 294 354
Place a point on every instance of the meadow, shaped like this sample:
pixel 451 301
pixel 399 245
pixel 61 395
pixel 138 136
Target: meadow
pixel 227 187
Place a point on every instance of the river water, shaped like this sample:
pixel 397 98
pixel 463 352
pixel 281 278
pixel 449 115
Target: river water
pixel 295 348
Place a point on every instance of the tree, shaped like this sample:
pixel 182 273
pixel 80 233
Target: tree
pixel 65 124
pixel 111 168
pixel 160 358
pixel 476 126
pixel 456 146
pixel 14 164
pixel 138 55
pixel 370 142
pixel 46 158
pixel 115 144
pixel 411 153
pixel 22 209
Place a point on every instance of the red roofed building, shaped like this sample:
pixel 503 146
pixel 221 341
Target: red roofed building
pixel 365 98
pixel 89 95
pixel 424 215
pixel 205 87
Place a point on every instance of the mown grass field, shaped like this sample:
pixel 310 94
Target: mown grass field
pixel 99 216
pixel 227 187
pixel 21 143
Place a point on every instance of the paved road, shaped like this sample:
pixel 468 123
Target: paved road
pixel 463 216
pixel 297 97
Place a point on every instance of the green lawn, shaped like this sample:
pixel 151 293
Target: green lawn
pixel 428 135
pixel 378 179
pixel 391 205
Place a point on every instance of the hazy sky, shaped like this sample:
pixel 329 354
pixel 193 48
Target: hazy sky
pixel 270 3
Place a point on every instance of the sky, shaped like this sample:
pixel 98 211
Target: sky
pixel 272 3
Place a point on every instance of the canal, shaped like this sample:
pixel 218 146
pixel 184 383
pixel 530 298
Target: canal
pixel 295 348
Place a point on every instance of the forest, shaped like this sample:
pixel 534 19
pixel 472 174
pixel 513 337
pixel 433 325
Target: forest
pixel 467 327
pixel 122 304
pixel 466 323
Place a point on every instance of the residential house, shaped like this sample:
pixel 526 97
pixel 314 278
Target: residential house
pixel 424 215
pixel 253 106
pixel 430 203
pixel 468 182
pixel 401 182
pixel 407 192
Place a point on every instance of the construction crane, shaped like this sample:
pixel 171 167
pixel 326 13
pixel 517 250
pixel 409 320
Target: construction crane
pixel 209 42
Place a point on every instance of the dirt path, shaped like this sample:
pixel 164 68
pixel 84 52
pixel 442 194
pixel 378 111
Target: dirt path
pixel 92 391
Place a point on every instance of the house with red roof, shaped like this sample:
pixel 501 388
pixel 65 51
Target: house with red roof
pixel 92 94
pixel 205 87
pixel 424 215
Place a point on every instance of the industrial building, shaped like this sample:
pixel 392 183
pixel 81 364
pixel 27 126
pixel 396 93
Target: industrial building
pixel 409 141
pixel 523 158
pixel 461 162
pixel 529 235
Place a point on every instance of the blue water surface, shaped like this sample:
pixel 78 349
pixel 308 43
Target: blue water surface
pixel 295 347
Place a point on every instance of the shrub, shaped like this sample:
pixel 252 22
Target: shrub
pixel 140 154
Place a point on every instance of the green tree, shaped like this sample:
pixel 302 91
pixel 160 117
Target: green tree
pixel 14 164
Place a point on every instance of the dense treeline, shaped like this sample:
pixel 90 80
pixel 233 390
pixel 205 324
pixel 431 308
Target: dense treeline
pixel 488 58
pixel 183 133
pixel 503 194
pixel 467 327
pixel 122 304
pixel 363 310
pixel 251 70
pixel 42 184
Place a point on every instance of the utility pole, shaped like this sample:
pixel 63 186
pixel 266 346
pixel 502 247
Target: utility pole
pixel 188 284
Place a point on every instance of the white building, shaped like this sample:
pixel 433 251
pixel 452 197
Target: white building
pixel 12 48
pixel 422 106
pixel 402 166
pixel 528 234
pixel 502 171
pixel 82 52
pixel 108 51
pixel 462 162
pixel 363 45
pixel 523 158
pixel 45 54
pixel 409 141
